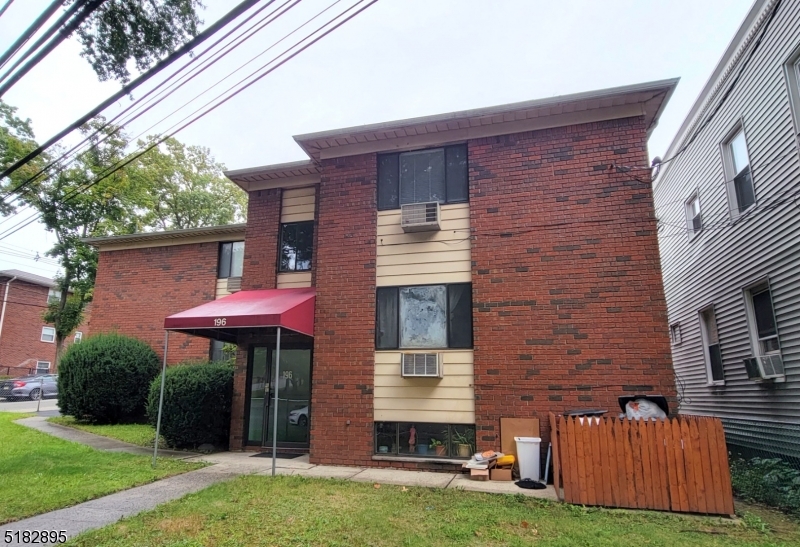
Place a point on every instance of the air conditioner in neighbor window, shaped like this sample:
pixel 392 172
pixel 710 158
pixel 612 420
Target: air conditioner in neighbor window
pixel 421 365
pixel 420 217
pixel 234 284
pixel 764 367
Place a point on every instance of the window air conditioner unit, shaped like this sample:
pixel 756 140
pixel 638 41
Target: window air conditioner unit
pixel 420 217
pixel 234 284
pixel 421 365
pixel 765 367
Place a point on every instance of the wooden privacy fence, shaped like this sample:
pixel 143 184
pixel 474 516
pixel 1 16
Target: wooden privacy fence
pixel 678 464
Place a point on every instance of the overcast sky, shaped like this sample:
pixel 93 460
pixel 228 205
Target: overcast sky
pixel 398 59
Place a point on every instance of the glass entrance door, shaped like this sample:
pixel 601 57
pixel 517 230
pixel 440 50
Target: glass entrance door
pixel 294 397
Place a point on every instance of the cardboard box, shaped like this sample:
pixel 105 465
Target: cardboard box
pixel 479 474
pixel 498 474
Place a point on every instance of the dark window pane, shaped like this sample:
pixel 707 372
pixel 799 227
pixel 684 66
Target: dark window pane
pixel 305 246
pixel 288 247
pixel 457 173
pixel 297 244
pixel 422 176
pixel 460 315
pixel 388 182
pixel 386 319
pixel 225 260
pixel 423 317
pixel 715 355
pixel 745 195
pixel 765 319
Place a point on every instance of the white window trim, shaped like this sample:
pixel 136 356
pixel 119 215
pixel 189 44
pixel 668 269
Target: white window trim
pixel 729 174
pixel 791 70
pixel 48 367
pixel 704 339
pixel 42 338
pixel 689 224
pixel 752 328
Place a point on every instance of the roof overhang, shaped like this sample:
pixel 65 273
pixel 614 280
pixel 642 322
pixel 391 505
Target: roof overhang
pixel 289 308
pixel 295 174
pixel 646 100
pixel 210 234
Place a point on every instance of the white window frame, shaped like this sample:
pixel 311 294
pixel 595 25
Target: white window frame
pixel 675 335
pixel 690 216
pixel 78 337
pixel 39 371
pixel 705 338
pixel 730 173
pixel 53 295
pixel 791 69
pixel 752 327
pixel 53 335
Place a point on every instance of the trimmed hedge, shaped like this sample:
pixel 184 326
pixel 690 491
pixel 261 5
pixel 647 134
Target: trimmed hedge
pixel 197 404
pixel 105 379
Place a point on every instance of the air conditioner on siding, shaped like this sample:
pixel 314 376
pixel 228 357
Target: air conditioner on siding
pixel 764 367
pixel 234 284
pixel 420 217
pixel 421 365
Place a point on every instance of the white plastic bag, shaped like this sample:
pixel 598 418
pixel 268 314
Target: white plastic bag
pixel 643 409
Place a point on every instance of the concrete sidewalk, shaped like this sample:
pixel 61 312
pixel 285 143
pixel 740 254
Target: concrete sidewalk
pixel 224 465
pixel 40 423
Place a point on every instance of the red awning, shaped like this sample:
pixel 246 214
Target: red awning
pixel 289 308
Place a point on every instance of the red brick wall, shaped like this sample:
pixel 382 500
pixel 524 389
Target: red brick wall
pixel 569 309
pixel 261 240
pixel 344 342
pixel 137 288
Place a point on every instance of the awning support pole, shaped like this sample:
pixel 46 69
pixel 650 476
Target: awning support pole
pixel 275 405
pixel 161 396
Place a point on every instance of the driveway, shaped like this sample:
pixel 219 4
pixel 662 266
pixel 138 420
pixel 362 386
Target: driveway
pixel 48 405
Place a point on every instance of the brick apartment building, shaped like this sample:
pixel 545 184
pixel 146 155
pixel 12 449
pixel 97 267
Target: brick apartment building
pixel 27 343
pixel 429 276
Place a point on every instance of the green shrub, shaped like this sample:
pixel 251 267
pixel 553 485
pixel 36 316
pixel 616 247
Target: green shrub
pixel 197 404
pixel 771 481
pixel 105 379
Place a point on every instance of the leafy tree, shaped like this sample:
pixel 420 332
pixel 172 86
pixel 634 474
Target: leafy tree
pixel 184 187
pixel 141 31
pixel 16 141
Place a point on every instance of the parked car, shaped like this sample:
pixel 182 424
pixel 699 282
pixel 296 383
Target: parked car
pixel 299 417
pixel 30 387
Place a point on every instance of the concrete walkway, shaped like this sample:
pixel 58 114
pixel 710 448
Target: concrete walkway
pixel 224 465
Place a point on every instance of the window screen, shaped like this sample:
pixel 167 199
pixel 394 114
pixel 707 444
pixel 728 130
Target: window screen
pixel 422 176
pixel 460 315
pixel 765 319
pixel 224 269
pixel 437 174
pixel 423 317
pixel 388 182
pixel 457 174
pixel 386 320
pixel 297 243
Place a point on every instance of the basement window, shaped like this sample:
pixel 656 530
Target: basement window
pixel 424 440
pixel 42 367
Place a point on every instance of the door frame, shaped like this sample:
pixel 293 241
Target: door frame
pixel 269 397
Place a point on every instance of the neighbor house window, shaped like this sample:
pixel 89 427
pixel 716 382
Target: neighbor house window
pixel 675 333
pixel 424 317
pixel 48 334
pixel 738 176
pixel 436 174
pixel 297 246
pixel 42 367
pixel 694 220
pixel 792 69
pixel 761 320
pixel 53 295
pixel 78 337
pixel 711 349
pixel 231 259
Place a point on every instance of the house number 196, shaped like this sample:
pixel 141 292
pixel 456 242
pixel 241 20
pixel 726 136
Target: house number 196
pixel 220 322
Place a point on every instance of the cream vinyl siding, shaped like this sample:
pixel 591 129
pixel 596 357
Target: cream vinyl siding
pixel 450 399
pixel 298 204
pixel 424 258
pixel 294 280
pixel 222 287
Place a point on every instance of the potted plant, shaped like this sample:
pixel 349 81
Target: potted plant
pixel 441 449
pixel 465 441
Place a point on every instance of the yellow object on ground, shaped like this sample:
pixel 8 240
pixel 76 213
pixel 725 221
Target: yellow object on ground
pixel 505 460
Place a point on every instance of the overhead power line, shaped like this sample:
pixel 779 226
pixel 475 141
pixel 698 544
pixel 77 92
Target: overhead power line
pixel 127 89
pixel 30 31
pixel 5 7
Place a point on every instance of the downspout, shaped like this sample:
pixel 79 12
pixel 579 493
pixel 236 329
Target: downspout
pixel 5 299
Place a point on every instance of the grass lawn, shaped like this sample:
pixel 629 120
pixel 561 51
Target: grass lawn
pixel 287 511
pixel 40 473
pixel 138 434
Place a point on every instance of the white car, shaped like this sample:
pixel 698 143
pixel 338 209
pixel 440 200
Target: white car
pixel 299 417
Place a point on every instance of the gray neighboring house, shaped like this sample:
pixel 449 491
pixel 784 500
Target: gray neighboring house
pixel 729 233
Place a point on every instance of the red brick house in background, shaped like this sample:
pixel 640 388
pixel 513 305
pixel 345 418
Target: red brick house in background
pixel 463 267
pixel 27 343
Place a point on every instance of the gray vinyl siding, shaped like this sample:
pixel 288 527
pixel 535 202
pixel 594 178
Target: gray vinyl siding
pixel 717 264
